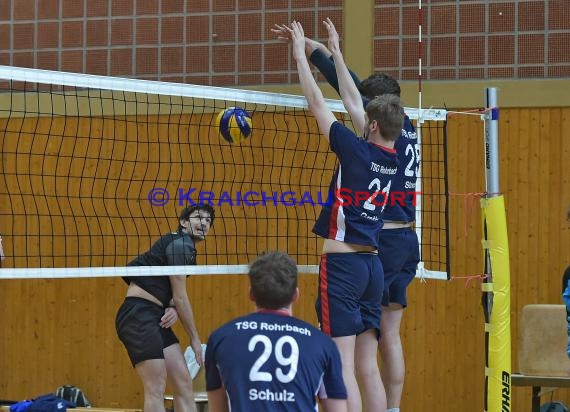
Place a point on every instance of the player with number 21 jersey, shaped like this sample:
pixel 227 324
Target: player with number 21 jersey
pixel 359 194
pixel 271 361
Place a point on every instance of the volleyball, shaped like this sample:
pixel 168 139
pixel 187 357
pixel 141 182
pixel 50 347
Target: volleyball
pixel 234 124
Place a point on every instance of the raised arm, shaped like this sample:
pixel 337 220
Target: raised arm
pixel 318 55
pixel 325 64
pixel 283 33
pixel 322 59
pixel 349 93
pixel 317 105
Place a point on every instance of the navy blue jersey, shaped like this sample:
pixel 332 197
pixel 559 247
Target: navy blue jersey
pixel 401 206
pixel 402 203
pixel 360 188
pixel 173 249
pixel 269 361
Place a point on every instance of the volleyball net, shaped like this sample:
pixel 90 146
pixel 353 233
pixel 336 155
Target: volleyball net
pixel 94 169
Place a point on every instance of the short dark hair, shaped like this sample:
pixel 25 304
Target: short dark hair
pixel 387 110
pixel 187 211
pixel 378 84
pixel 273 280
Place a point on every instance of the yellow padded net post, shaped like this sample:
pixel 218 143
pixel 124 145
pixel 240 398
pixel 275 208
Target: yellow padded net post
pixel 496 287
pixel 498 328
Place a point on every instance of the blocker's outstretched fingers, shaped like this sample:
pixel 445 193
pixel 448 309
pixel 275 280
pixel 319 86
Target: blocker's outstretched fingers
pixel 282 31
pixel 297 28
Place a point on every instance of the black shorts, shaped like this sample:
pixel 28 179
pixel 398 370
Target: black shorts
pixel 138 326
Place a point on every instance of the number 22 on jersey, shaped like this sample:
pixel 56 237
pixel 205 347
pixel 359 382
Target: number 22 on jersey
pixel 414 151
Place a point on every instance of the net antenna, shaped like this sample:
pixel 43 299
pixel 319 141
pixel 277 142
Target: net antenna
pixel 444 271
pixel 421 270
pixel 82 157
pixel 420 55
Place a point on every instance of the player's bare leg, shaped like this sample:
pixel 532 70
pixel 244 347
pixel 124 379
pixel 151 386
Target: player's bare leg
pixel 346 346
pixel 368 373
pixel 180 379
pixel 393 367
pixel 153 376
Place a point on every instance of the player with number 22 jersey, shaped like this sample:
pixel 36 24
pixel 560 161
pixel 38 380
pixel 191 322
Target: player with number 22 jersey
pixel 402 206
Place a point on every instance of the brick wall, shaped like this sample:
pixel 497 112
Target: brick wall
pixel 217 42
pixel 228 42
pixel 474 39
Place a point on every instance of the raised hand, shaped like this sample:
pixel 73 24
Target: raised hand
pixel 282 32
pixel 333 36
pixel 298 39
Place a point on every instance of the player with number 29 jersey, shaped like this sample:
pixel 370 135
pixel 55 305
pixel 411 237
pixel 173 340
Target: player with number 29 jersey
pixel 270 361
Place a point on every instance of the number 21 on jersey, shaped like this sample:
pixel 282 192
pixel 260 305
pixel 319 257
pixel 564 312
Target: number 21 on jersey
pixel 376 187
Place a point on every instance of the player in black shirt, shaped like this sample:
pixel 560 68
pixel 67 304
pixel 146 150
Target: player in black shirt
pixel 143 321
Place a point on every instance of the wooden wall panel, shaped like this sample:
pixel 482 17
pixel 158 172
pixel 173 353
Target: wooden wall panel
pixel 62 331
